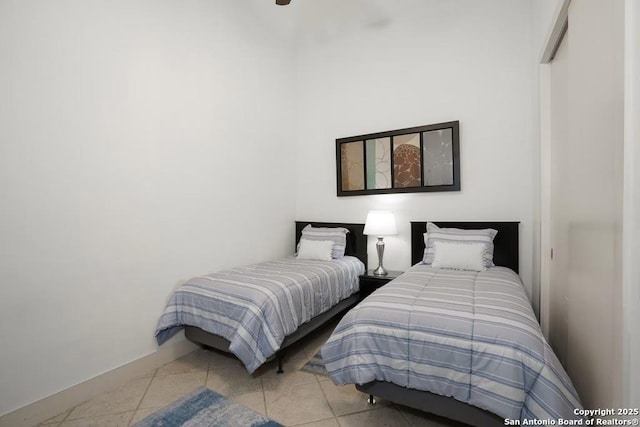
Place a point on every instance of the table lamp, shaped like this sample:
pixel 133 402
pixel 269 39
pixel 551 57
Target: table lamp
pixel 380 223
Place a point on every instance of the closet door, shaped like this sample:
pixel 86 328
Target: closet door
pixel 559 157
pixel 587 99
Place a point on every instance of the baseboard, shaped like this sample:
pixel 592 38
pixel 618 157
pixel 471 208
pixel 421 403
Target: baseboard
pixel 41 410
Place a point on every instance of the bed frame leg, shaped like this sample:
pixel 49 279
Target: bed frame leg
pixel 371 400
pixel 280 356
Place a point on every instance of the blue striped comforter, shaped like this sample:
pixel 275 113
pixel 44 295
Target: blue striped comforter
pixel 257 306
pixel 467 335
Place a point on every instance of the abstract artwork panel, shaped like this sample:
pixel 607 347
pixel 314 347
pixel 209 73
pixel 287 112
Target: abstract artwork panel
pixel 352 157
pixel 417 159
pixel 406 161
pixel 438 157
pixel 378 163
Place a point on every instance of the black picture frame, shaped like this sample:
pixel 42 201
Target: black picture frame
pixel 417 159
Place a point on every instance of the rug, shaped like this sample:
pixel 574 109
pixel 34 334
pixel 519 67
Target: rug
pixel 315 365
pixel 204 407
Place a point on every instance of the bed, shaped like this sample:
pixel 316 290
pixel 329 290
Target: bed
pixel 255 312
pixel 459 344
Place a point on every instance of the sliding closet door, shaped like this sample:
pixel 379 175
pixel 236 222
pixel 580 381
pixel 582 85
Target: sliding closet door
pixel 585 324
pixel 559 157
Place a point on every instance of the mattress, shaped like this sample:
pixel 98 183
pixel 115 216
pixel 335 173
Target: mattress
pixel 467 335
pixel 255 307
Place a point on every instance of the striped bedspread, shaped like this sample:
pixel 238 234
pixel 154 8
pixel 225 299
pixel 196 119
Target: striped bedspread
pixel 257 306
pixel 467 335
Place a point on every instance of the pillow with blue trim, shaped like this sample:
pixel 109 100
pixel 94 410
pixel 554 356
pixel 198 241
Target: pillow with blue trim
pixel 338 235
pixel 458 235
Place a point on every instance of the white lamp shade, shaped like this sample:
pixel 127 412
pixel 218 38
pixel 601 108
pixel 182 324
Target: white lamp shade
pixel 380 223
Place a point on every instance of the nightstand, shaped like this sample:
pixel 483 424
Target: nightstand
pixel 370 282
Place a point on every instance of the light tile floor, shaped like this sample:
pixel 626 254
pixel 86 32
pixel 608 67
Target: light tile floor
pixel 295 398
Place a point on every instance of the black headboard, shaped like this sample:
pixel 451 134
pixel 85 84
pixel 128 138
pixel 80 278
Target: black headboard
pixel 356 240
pixel 506 246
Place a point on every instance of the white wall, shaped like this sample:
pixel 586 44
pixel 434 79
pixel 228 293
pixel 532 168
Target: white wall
pixel 141 143
pixel 137 140
pixel 411 63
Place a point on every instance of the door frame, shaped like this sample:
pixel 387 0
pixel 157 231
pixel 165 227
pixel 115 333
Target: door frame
pixel 552 43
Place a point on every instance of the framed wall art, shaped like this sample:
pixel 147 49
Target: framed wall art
pixel 424 158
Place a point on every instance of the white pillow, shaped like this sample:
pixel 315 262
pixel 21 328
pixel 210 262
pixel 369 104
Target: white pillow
pixel 315 249
pixel 457 235
pixel 459 256
pixel 338 235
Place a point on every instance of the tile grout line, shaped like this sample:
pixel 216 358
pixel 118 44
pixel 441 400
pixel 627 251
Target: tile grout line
pixel 264 397
pixel 206 378
pixel 327 400
pixel 69 413
pixel 133 414
pixel 146 390
pixel 264 400
pixel 94 416
pixel 317 421
pixel 322 389
pixel 402 414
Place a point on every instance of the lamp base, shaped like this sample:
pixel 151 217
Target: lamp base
pixel 380 271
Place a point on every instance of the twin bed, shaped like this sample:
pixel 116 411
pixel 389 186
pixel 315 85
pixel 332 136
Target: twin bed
pixel 461 344
pixel 256 312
